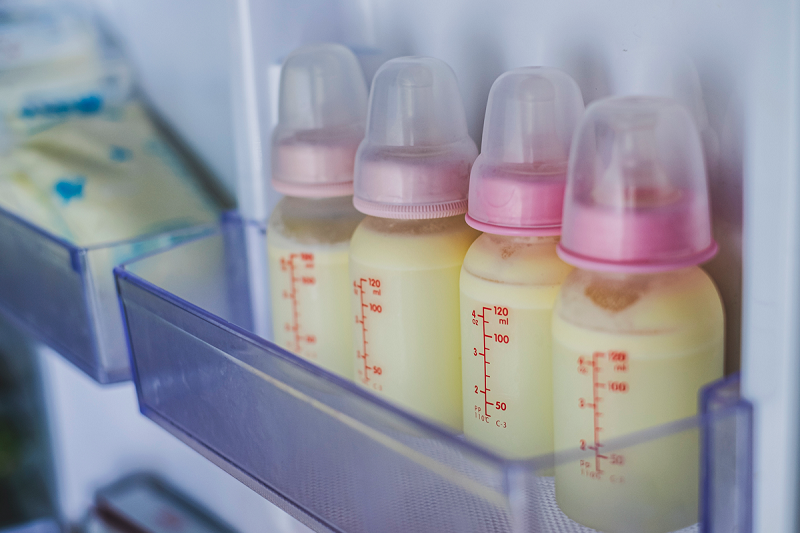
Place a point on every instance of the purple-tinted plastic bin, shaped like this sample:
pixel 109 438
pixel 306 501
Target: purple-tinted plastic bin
pixel 339 458
pixel 65 295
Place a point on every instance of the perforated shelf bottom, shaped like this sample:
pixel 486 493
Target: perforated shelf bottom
pixel 554 520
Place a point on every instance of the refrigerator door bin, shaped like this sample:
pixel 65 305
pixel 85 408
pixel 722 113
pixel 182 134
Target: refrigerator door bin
pixel 339 458
pixel 64 294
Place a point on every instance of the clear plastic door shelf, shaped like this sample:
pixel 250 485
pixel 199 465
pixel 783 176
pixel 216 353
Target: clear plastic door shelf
pixel 64 294
pixel 338 457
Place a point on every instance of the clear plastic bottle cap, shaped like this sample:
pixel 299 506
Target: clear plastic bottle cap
pixel 321 115
pixel 416 156
pixel 518 181
pixel 637 191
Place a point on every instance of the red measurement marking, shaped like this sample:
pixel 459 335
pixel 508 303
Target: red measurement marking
pixel 363 355
pixel 481 319
pixel 596 386
pixel 618 356
pixel 486 389
pixel 361 286
pixel 291 266
pixel 616 362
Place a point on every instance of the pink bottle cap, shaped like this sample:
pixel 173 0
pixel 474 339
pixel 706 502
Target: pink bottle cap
pixel 518 181
pixel 416 156
pixel 637 192
pixel 321 114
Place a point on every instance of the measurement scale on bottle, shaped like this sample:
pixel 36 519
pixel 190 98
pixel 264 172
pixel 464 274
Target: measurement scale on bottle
pixel 489 319
pixel 368 291
pixel 300 269
pixel 607 371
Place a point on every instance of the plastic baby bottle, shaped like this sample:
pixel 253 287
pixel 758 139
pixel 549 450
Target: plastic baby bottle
pixel 412 179
pixel 511 273
pixel 323 105
pixel 638 326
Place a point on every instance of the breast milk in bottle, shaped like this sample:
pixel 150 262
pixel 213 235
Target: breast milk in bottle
pixel 638 326
pixel 322 109
pixel 412 176
pixel 511 273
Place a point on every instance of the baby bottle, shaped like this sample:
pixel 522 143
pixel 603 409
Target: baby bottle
pixel 412 178
pixel 323 105
pixel 511 273
pixel 638 326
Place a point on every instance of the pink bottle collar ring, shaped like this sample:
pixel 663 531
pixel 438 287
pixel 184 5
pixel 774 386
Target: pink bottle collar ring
pixel 505 200
pixel 633 241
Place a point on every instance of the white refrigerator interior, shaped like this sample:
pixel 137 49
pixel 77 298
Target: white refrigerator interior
pixel 209 68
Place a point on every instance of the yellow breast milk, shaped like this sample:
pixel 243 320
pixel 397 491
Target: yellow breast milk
pixel 508 288
pixel 405 312
pixel 631 351
pixel 308 241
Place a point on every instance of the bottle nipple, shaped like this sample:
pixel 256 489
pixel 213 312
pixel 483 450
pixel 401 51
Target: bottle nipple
pixel 635 177
pixel 415 100
pixel 538 139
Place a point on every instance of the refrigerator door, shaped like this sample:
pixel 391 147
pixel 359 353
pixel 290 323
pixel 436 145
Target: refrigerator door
pixel 733 64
